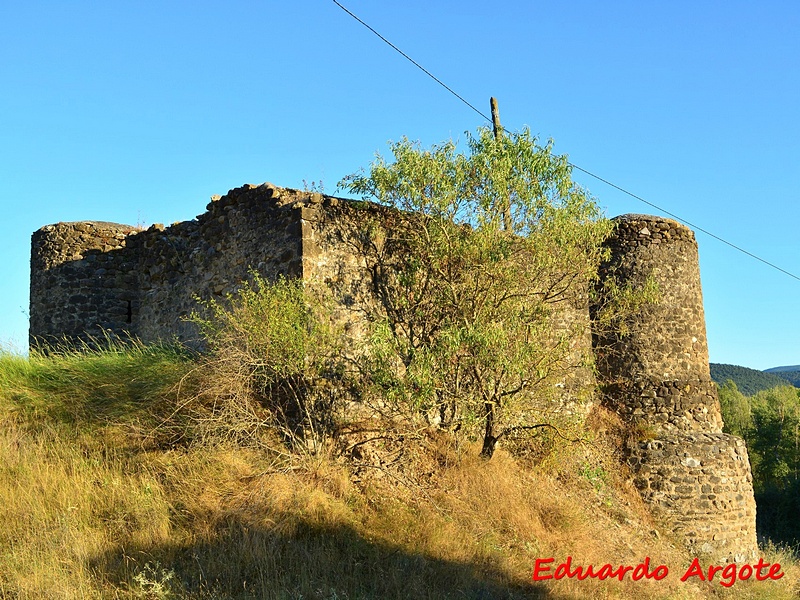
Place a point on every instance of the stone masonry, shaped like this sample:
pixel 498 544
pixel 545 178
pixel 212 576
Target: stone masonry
pixel 83 281
pixel 654 373
pixel 93 279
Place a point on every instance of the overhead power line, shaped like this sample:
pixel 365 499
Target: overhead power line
pixel 685 222
pixel 412 61
pixel 573 165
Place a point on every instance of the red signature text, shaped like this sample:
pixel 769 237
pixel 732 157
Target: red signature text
pixel 726 575
pixel 731 573
pixel 543 571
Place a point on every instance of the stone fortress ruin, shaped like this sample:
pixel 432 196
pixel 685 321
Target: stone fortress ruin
pixel 695 477
pixel 90 278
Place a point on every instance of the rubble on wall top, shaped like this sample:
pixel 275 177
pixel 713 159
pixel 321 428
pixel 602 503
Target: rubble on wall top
pixel 631 217
pixel 93 224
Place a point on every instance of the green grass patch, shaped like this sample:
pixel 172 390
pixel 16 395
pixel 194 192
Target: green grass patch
pixel 122 382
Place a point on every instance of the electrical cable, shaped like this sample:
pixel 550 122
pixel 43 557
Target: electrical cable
pixel 573 165
pixel 685 222
pixel 412 61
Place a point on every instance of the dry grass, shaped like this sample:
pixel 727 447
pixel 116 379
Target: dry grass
pixel 92 506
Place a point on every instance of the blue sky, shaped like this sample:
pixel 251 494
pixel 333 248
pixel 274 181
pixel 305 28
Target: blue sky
pixel 138 112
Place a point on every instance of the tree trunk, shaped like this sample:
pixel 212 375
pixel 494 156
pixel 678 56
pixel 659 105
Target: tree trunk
pixel 489 439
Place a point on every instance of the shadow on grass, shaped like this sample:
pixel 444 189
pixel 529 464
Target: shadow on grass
pixel 241 561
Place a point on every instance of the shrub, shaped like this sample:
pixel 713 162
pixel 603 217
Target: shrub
pixel 475 285
pixel 273 352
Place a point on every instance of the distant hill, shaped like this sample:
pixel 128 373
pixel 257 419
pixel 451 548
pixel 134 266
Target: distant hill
pixel 790 374
pixel 782 369
pixel 750 381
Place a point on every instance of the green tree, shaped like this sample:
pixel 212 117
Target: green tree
pixel 775 439
pixel 268 349
pixel 735 408
pixel 473 329
pixel 769 421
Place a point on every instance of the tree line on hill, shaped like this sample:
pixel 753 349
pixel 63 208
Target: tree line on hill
pixel 769 422
pixel 790 374
pixel 750 381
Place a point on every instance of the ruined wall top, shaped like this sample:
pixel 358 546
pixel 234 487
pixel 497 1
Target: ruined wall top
pixel 635 229
pixel 91 279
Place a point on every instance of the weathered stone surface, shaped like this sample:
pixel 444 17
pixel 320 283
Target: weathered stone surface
pixel 90 278
pixel 666 341
pixel 654 372
pixel 78 284
pixel 700 483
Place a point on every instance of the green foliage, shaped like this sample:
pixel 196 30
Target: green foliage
pixel 615 304
pixel 748 381
pixel 272 327
pixel 774 445
pixel 775 439
pixel 119 380
pixel 475 284
pixel 770 424
pixel 594 474
pixel 269 347
pixel 735 410
pixel 784 369
pixel 790 374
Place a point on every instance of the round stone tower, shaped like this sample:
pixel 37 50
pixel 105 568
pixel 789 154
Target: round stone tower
pixel 83 284
pixel 655 365
pixel 653 370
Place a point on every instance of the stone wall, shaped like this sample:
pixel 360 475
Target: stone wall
pixel 250 228
pixel 654 372
pixel 94 279
pixel 339 252
pixel 97 279
pixel 145 284
pixel 662 361
pixel 701 486
pixel 83 283
pixel 668 338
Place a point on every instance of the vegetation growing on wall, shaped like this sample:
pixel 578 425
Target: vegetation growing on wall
pixel 267 350
pixel 473 330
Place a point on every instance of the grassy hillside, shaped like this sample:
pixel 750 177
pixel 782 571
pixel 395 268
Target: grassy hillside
pixel 106 491
pixel 748 381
